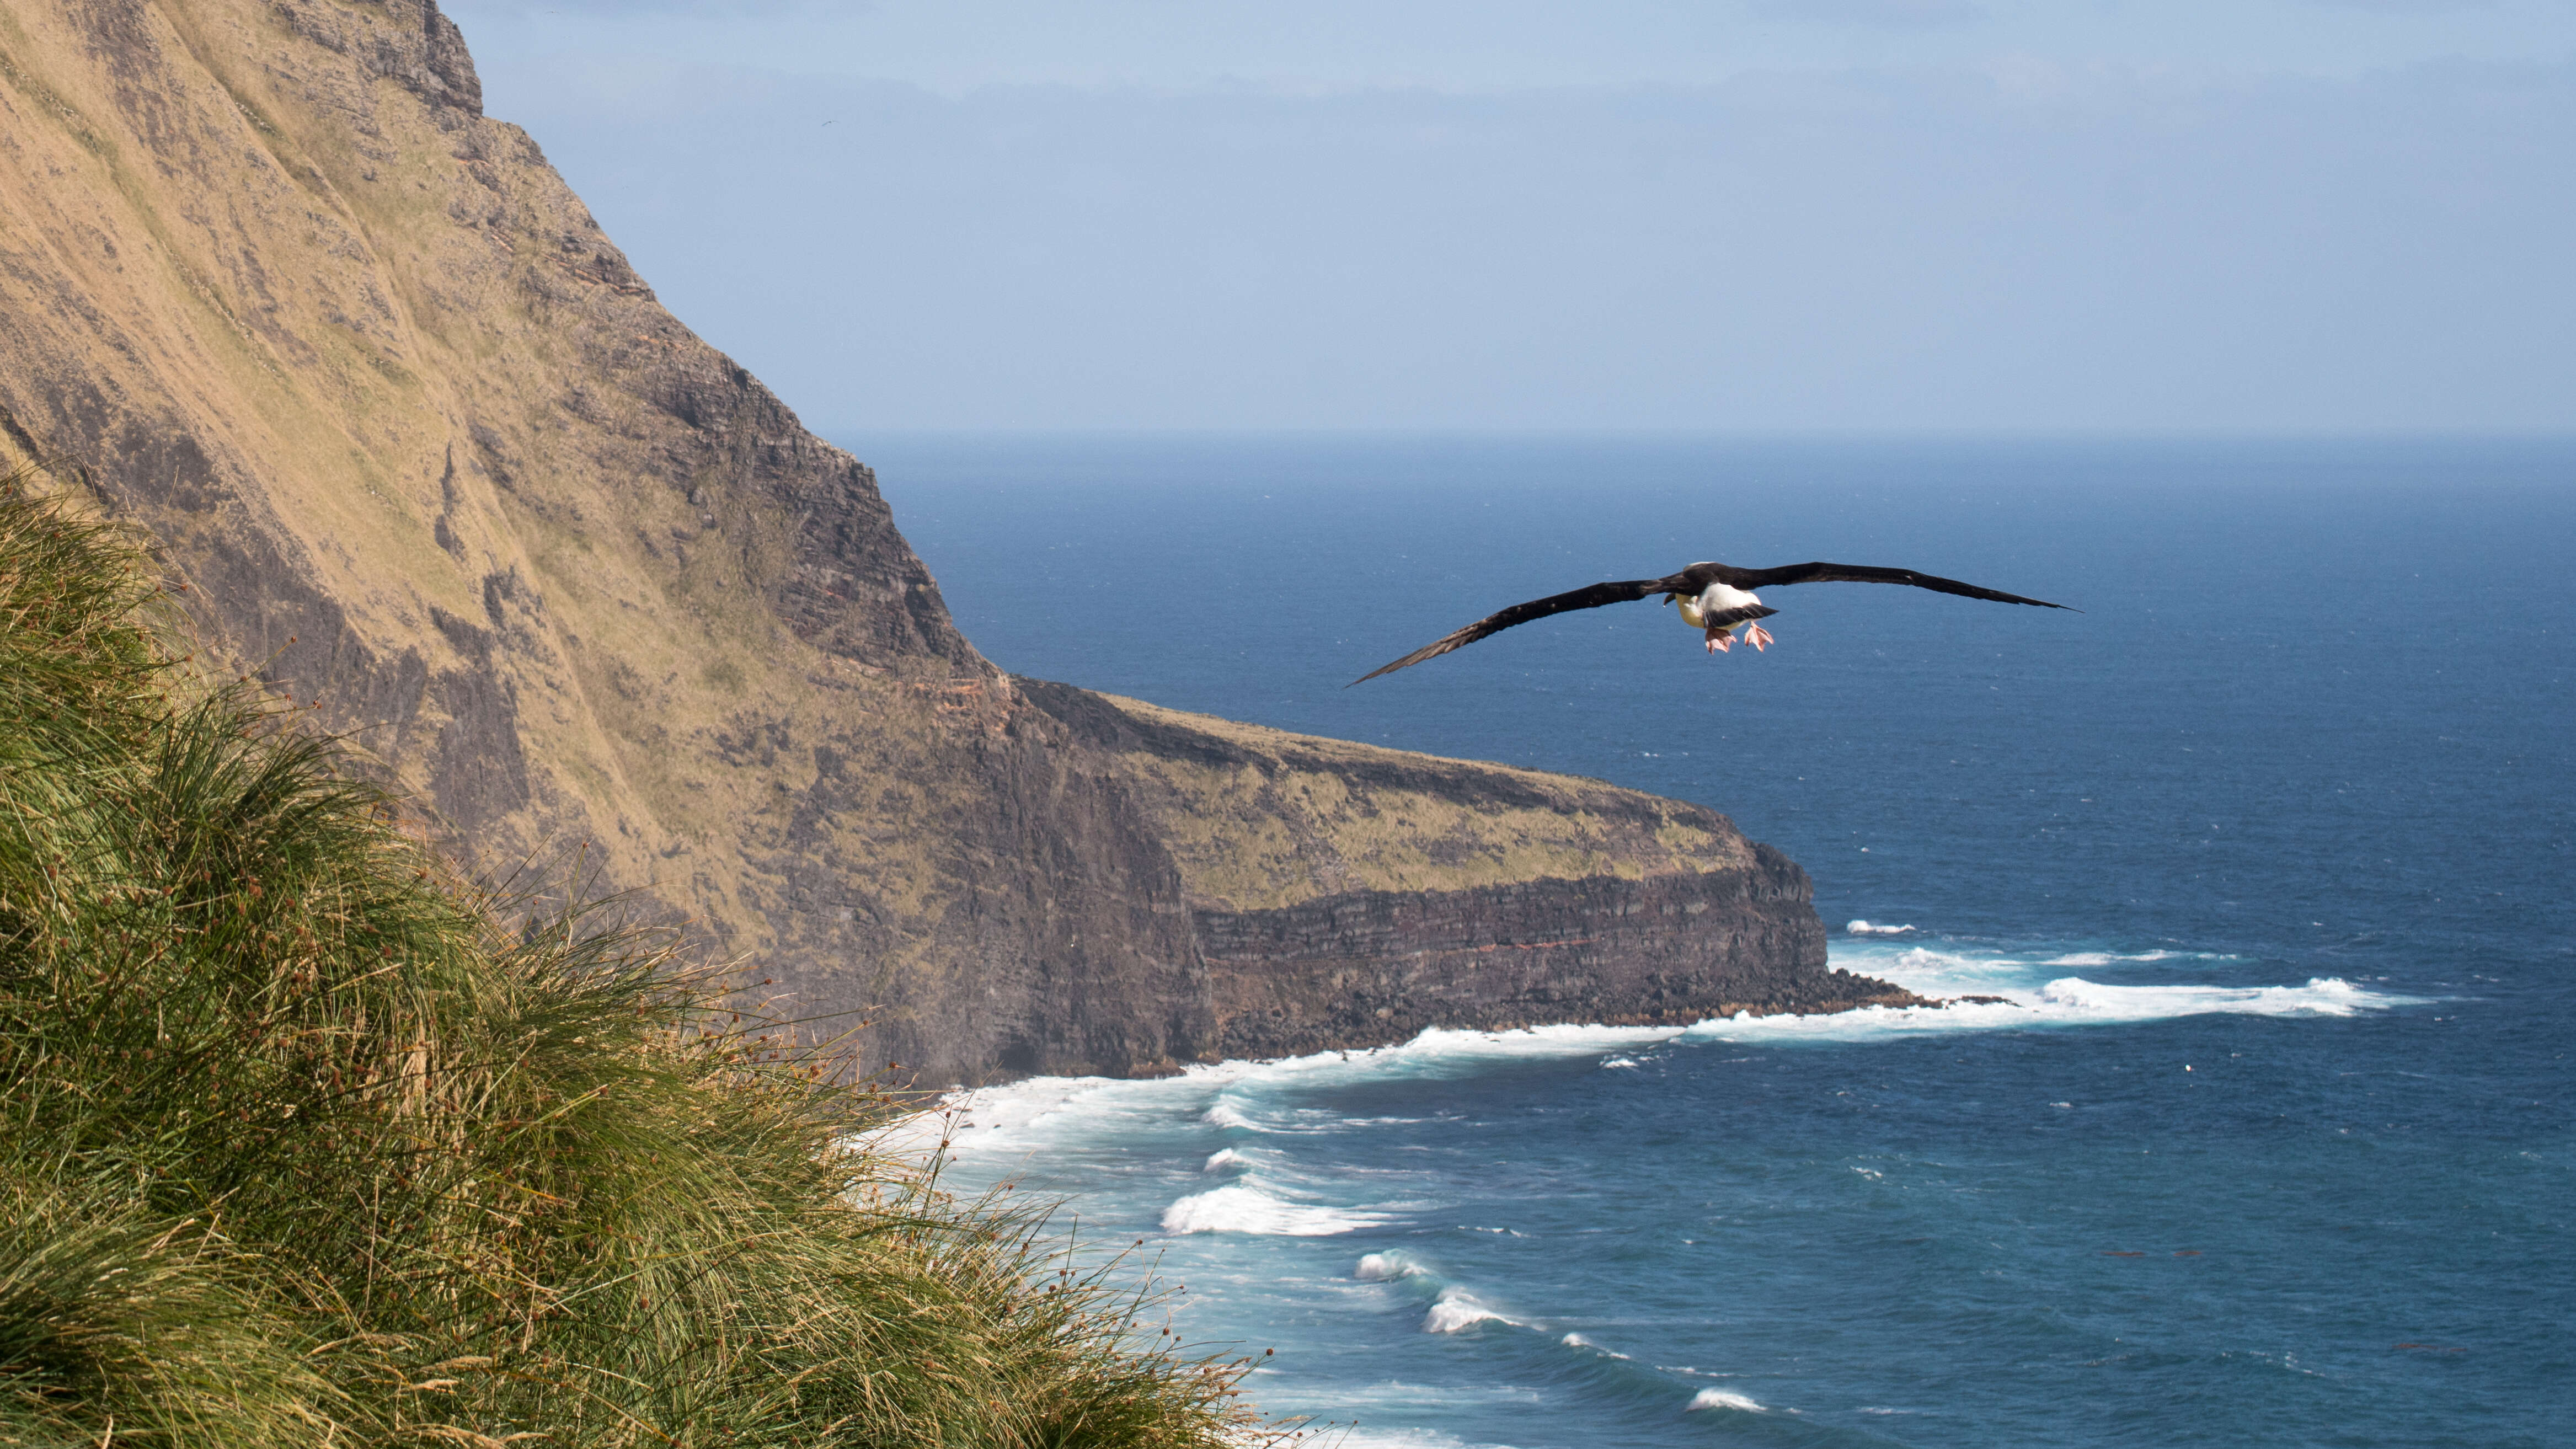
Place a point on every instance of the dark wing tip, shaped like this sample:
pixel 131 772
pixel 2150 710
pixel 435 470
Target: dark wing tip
pixel 1979 591
pixel 1436 647
pixel 1591 596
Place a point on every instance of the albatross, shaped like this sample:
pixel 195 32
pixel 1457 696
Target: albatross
pixel 1714 598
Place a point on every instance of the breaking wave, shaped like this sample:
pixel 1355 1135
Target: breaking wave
pixel 1457 1310
pixel 1387 1267
pixel 1452 1309
pixel 1243 1207
pixel 1222 1113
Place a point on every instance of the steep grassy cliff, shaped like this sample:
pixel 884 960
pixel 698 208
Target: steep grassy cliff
pixel 433 455
pixel 310 1142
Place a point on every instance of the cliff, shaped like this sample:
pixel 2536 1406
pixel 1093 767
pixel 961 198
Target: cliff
pixel 435 459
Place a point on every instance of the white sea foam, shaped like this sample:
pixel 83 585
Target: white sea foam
pixel 1576 1340
pixel 2065 1001
pixel 1019 1115
pixel 1025 1117
pixel 1941 965
pixel 1225 1160
pixel 1864 928
pixel 1002 1118
pixel 1456 1309
pixel 1721 1399
pixel 1618 1062
pixel 2322 996
pixel 1242 1207
pixel 1387 1267
pixel 1222 1113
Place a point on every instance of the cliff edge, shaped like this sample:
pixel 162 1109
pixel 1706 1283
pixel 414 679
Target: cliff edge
pixel 435 459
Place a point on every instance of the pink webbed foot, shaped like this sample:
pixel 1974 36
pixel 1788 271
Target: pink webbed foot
pixel 1757 636
pixel 1720 642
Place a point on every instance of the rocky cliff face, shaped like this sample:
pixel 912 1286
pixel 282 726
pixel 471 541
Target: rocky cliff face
pixel 435 459
pixel 1344 896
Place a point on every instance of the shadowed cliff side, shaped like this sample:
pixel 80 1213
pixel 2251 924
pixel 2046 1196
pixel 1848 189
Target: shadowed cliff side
pixel 433 455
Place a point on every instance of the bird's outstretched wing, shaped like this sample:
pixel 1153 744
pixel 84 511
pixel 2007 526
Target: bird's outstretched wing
pixel 1586 598
pixel 1691 581
pixel 1834 573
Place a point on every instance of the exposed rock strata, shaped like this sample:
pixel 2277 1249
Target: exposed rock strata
pixel 435 457
pixel 1344 896
pixel 1359 969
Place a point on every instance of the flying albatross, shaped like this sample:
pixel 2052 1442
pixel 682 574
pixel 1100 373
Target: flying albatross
pixel 1714 598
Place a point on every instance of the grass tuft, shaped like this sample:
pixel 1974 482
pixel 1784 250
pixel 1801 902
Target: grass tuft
pixel 305 1139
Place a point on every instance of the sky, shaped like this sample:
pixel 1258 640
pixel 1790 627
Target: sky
pixel 1760 216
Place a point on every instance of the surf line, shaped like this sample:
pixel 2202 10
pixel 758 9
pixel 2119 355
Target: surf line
pixel 979 1121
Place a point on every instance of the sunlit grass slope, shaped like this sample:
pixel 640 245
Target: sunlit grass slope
pixel 305 1140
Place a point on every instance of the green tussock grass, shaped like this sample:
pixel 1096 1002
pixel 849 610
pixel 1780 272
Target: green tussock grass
pixel 304 1139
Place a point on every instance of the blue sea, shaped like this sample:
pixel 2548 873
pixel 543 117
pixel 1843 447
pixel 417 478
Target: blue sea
pixel 2267 852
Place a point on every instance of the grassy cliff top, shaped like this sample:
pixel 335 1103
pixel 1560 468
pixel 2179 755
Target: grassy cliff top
pixel 1260 818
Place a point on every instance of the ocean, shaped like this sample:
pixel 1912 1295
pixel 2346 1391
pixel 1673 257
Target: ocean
pixel 2267 852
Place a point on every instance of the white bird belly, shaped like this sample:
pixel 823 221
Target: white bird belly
pixel 1715 599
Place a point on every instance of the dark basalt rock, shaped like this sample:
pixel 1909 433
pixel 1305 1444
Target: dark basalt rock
pixel 1366 968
